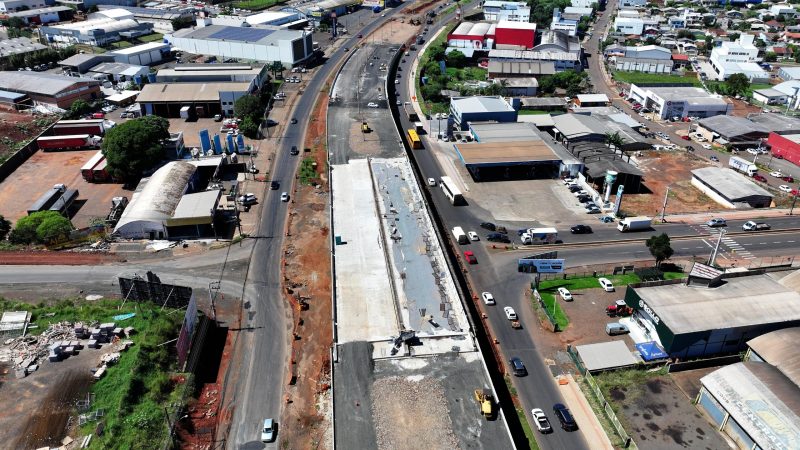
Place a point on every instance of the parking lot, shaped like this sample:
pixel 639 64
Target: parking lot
pixel 42 171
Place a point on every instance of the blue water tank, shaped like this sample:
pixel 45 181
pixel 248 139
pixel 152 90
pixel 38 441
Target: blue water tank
pixel 151 78
pixel 217 145
pixel 137 79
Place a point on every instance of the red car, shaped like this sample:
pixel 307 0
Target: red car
pixel 685 138
pixel 788 179
pixel 470 257
pixel 760 178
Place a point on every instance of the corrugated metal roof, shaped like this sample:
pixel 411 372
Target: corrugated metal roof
pixel 730 127
pixel 160 195
pixel 779 348
pixel 39 82
pixel 196 208
pixel 764 403
pixel 729 183
pixel 504 132
pixel 19 45
pixel 605 355
pixel 505 152
pixel 144 48
pixel 777 122
pixel 187 92
pixel 480 104
pixel 522 67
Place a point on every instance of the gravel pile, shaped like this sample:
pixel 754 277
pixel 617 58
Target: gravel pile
pixel 411 414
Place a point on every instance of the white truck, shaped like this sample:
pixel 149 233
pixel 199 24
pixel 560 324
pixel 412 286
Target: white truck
pixel 634 224
pixel 539 236
pixel 460 236
pixel 742 165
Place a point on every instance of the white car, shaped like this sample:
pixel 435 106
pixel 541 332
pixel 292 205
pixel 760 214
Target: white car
pixel 606 284
pixel 268 431
pixel 510 313
pixel 284 196
pixel 473 236
pixel 372 105
pixel 541 421
pixel 785 188
pixel 565 294
pixel 752 151
pixel 488 298
pixel 431 182
pixel 707 146
pixel 776 174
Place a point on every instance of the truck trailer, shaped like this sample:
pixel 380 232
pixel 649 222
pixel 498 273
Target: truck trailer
pixel 86 126
pixel 635 224
pixel 76 141
pixel 86 170
pixel 539 236
pixel 460 236
pixel 742 165
pixel 47 199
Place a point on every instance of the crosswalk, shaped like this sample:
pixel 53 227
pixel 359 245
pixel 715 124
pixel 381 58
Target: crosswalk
pixel 729 247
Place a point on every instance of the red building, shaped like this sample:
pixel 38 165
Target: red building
pixel 786 146
pixel 515 35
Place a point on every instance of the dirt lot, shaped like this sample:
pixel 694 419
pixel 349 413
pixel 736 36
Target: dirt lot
pixel 42 171
pixel 673 170
pixel 16 129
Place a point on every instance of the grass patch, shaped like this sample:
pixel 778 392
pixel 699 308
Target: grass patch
pixel 257 5
pixel 533 112
pixel 307 171
pixel 526 427
pixel 578 283
pixel 632 380
pixel 120 44
pixel 134 391
pixel 653 78
pixel 431 107
pixel 600 413
pixel 155 37
pixel 551 303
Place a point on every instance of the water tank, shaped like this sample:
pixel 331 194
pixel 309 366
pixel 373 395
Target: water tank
pixel 151 78
pixel 137 79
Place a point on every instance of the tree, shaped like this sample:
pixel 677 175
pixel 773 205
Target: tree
pixel 435 52
pixel 770 57
pixel 685 34
pixel 78 108
pixel 659 247
pixel 248 106
pixel 456 59
pixel 737 84
pixel 614 140
pixel 276 68
pixel 135 146
pixel 42 227
pixel 5 227
pixel 249 128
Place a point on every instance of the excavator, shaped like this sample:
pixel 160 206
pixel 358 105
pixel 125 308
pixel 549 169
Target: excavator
pixel 486 401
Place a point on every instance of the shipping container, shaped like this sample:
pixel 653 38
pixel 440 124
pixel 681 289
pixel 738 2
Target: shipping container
pixel 86 170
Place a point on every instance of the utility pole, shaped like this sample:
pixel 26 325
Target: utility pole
pixel 794 200
pixel 664 207
pixel 213 286
pixel 716 248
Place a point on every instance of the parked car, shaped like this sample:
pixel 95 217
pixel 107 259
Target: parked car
pixel 706 146
pixel 776 174
pixel 615 328
pixel 247 199
pixel 565 417
pixel 760 178
pixel 606 284
pixel 580 229
pixel 473 236
pixel 518 367
pixel 785 188
pixel 717 222
pixel 541 421
pixel 788 179
pixel 488 226
pixel 593 210
pixel 471 259
pixel 294 151
pixel 510 313
pixel 372 105
pixel 752 151
pixel 565 294
pixel 268 431
pixel 755 226
pixel 488 298
pixel 606 219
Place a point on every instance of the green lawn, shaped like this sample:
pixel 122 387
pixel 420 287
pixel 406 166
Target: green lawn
pixel 257 5
pixel 120 44
pixel 645 78
pixel 554 308
pixel 155 37
pixel 523 419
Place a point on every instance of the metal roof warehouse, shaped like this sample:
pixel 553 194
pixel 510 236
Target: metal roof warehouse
pixel 730 189
pixel 693 320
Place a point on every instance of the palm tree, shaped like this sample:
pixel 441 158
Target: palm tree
pixel 614 140
pixel 276 67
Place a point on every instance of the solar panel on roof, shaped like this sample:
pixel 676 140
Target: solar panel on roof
pixel 242 34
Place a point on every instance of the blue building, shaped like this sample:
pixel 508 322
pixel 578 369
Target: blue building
pixel 481 109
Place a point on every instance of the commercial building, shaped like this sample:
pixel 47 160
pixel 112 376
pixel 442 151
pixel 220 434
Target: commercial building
pixel 49 90
pixel 204 99
pixel 770 96
pixel 18 46
pixel 733 130
pixel 497 10
pixel 703 316
pixel 647 58
pixel 778 123
pixel 519 86
pixel 740 56
pixel 117 72
pixel 39 16
pixel 285 18
pixel 264 44
pixel 561 23
pixel 254 74
pixel 142 55
pixel 785 144
pixel 786 93
pixel 98 31
pixel 481 109
pixel 756 402
pixel 789 73
pixel 161 208
pixel 325 9
pixel 468 37
pixel 514 35
pixel 550 62
pixel 730 188
pixel 670 102
pixel 7 6
pixel 629 25
pixel 588 100
pixel 503 68
pixel 163 20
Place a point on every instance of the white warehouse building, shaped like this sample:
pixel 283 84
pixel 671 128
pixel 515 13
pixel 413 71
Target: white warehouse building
pixel 680 101
pixel 257 43
pixel 497 10
pixel 740 56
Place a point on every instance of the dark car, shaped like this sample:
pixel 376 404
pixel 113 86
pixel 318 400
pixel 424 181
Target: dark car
pixel 580 229
pixel 489 226
pixel 274 185
pixel 760 178
pixel 518 367
pixel 575 188
pixel 498 237
pixel 788 179
pixel 565 417
pixel 294 150
pixel 584 199
pixel 294 120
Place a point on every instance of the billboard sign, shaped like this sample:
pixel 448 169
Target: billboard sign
pixel 541 265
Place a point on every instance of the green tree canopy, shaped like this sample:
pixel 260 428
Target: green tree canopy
pixel 135 146
pixel 456 59
pixel 43 227
pixel 737 84
pixel 79 107
pixel 659 247
pixel 248 106
pixel 249 128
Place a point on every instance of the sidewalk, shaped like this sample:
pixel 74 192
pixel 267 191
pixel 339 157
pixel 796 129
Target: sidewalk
pixel 747 214
pixel 584 415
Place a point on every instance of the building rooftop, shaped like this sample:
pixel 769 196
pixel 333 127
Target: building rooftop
pixel 507 24
pixel 769 92
pixel 157 197
pixel 480 104
pixel 598 168
pixel 39 82
pixel 731 126
pixel 521 67
pixel 779 349
pixel 143 48
pixel 37 11
pixel 180 92
pixel 605 355
pixel 533 55
pixel 196 208
pixel 560 39
pixel 81 58
pixel 776 122
pixel 693 95
pixel 501 153
pixel 263 35
pixel 19 45
pixel 115 68
pixel 739 302
pixel 793 72
pixel 592 98
pixel 201 70
pixel 105 24
pixel 729 183
pixel 502 132
pixel 761 400
pixel 151 13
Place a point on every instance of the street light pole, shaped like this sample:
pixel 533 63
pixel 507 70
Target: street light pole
pixel 716 248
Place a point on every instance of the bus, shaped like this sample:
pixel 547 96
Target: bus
pixel 451 191
pixel 413 139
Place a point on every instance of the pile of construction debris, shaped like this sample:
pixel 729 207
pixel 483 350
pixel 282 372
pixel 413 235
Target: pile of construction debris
pixel 60 341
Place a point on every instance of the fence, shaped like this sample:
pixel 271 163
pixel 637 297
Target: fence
pixel 599 270
pixel 598 394
pixel 544 308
